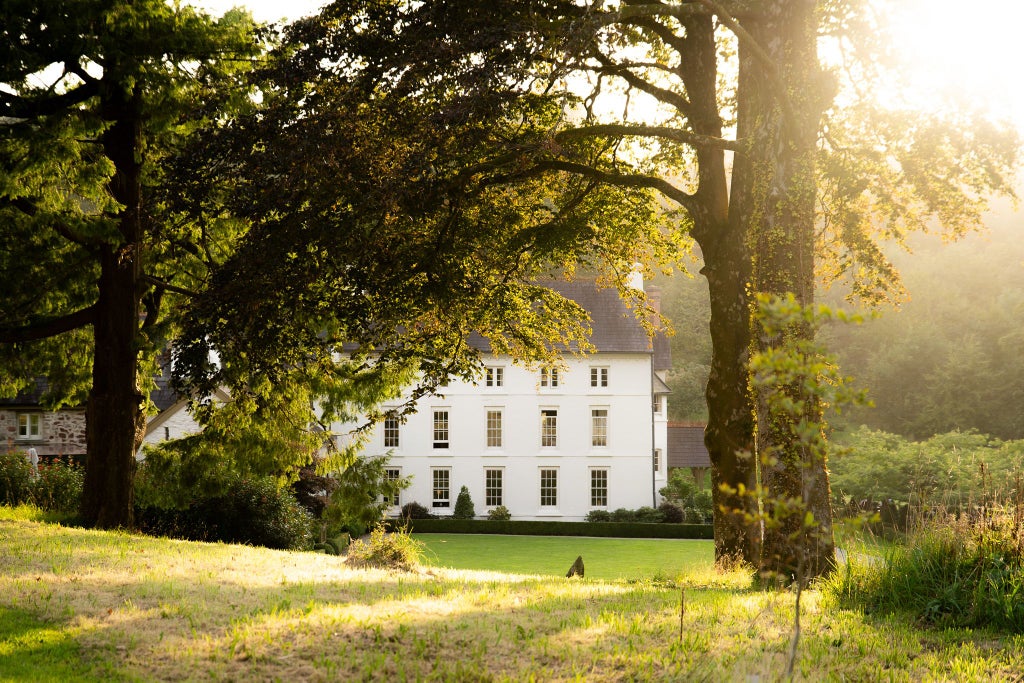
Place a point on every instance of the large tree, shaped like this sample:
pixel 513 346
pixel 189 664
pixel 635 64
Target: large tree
pixel 94 94
pixel 721 107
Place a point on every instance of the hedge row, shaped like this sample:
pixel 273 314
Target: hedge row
pixel 543 528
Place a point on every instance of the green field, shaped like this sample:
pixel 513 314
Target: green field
pixel 81 605
pixel 604 558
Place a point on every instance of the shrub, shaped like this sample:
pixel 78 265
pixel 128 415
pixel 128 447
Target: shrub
pixel 499 514
pixel 414 510
pixel 598 516
pixel 58 488
pixel 385 550
pixel 963 570
pixel 252 510
pixel 15 478
pixel 670 514
pixel 464 505
pixel 623 515
pixel 648 515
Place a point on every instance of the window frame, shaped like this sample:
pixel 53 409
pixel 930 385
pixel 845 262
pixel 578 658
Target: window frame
pixel 392 432
pixel 549 427
pixel 396 500
pixel 436 501
pixel 549 378
pixel 441 428
pixel 33 426
pixel 494 376
pixel 599 487
pixel 599 376
pixel 494 488
pixel 494 430
pixel 548 489
pixel 599 430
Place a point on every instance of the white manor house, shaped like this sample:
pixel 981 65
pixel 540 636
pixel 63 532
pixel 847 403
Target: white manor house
pixel 545 443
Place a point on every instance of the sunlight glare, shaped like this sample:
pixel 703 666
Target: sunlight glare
pixel 965 53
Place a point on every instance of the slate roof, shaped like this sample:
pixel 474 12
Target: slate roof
pixel 686 445
pixel 614 327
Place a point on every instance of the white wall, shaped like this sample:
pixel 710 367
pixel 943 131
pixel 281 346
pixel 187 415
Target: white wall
pixel 627 457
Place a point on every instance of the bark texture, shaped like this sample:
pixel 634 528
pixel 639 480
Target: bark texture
pixel 115 421
pixel 782 97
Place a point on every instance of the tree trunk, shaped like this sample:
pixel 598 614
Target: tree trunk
pixel 780 105
pixel 115 421
pixel 729 436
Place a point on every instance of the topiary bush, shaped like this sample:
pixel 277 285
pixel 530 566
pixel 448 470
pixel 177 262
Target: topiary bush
pixel 385 550
pixel 414 510
pixel 598 516
pixel 499 514
pixel 464 505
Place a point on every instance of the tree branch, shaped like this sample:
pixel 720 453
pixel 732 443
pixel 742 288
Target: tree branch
pixel 28 207
pixel 160 284
pixel 664 132
pixel 48 327
pixel 19 107
pixel 684 199
pixel 770 68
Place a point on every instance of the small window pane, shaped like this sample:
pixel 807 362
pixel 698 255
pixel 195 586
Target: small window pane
pixel 599 423
pixel 493 487
pixel 494 429
pixel 390 432
pixel 549 428
pixel 548 488
pixel 495 377
pixel 393 474
pixel 442 487
pixel 440 429
pixel 599 488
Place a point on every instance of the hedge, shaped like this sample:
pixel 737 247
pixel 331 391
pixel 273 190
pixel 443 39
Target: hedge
pixel 543 528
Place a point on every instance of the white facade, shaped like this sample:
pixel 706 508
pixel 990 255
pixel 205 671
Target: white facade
pixel 546 444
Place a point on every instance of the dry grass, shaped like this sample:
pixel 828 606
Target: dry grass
pixel 138 608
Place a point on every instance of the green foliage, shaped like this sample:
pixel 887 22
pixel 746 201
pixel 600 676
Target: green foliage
pixel 464 505
pixel 384 549
pixel 57 489
pixel 499 514
pixel 598 516
pixel 962 570
pixel 362 496
pixel 681 491
pixel 256 511
pixel 414 510
pixel 671 514
pixel 953 469
pixel 15 478
pixel 947 358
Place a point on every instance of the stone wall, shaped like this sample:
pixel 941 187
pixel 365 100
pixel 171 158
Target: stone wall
pixel 62 432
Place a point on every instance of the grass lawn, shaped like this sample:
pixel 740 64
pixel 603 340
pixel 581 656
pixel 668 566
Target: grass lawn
pixel 603 558
pixel 80 605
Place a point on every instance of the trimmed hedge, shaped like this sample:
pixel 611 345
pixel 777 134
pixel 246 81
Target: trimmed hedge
pixel 543 528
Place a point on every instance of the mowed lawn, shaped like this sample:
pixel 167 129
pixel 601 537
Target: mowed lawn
pixel 81 605
pixel 603 558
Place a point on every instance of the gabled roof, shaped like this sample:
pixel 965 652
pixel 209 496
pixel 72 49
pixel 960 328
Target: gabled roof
pixel 686 445
pixel 614 326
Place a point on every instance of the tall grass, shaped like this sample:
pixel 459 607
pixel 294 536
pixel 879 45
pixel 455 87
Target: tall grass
pixel 963 569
